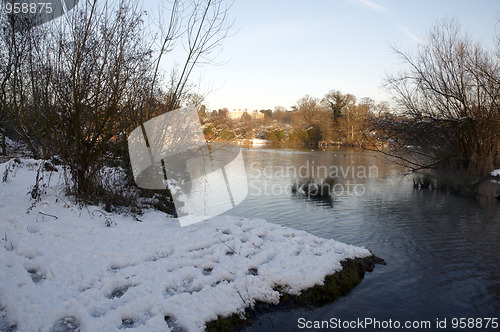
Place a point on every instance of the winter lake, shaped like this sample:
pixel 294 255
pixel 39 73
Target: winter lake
pixel 442 250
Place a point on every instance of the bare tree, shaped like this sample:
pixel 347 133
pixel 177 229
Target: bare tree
pixel 382 108
pixel 308 118
pixel 95 58
pixel 448 103
pixel 78 85
pixel 195 100
pixel 309 110
pixel 200 26
pixel 18 36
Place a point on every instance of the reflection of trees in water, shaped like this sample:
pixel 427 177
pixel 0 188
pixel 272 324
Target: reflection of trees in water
pixel 318 192
pixel 488 192
pixel 438 225
pixel 315 190
pixel 324 201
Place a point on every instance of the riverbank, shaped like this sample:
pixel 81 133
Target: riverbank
pixel 333 286
pixel 321 145
pixel 68 268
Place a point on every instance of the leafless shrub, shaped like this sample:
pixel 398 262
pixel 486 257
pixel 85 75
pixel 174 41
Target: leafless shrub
pixel 448 105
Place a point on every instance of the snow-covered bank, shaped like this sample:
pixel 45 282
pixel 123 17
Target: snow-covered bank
pixel 62 267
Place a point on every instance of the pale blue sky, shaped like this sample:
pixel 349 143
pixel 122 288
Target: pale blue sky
pixel 282 50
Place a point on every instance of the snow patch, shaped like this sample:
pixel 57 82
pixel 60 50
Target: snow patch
pixel 74 273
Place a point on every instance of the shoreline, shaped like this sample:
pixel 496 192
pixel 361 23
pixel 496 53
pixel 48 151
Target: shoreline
pixel 66 265
pixel 334 286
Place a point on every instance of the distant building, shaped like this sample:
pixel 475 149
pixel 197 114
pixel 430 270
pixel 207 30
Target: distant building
pixel 237 114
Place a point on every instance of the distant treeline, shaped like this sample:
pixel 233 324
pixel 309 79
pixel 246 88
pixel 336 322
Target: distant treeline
pixel 444 118
pixel 335 119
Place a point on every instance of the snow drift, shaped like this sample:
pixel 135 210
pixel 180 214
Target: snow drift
pixel 65 268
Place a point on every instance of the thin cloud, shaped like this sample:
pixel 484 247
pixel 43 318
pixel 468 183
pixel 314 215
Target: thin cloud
pixel 370 4
pixel 411 35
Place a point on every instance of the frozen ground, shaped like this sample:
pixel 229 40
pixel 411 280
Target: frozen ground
pixel 63 268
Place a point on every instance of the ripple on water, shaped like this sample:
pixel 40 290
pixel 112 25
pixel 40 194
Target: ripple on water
pixel 442 250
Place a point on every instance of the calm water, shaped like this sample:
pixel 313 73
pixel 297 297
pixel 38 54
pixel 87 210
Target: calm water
pixel 442 251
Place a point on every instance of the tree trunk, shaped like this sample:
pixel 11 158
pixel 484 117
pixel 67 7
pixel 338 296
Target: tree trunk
pixel 4 144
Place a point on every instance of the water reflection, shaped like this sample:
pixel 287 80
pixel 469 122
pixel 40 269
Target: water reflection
pixel 321 201
pixel 441 249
